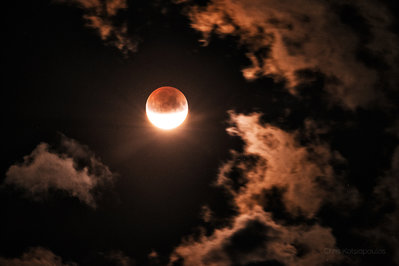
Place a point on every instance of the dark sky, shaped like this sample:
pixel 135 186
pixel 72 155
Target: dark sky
pixel 289 155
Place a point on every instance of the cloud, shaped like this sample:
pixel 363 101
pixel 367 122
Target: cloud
pixel 39 256
pixel 304 174
pixel 118 258
pixel 73 169
pixel 103 17
pixel 206 213
pixel 386 195
pixel 36 256
pixel 277 186
pixel 255 237
pixel 349 42
pixel 153 258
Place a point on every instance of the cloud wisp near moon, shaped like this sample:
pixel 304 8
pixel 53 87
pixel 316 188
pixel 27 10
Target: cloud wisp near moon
pixel 102 17
pixel 303 93
pixel 284 38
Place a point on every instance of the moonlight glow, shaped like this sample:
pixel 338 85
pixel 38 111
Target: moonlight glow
pixel 167 108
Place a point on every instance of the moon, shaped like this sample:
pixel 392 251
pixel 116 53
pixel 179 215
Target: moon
pixel 167 108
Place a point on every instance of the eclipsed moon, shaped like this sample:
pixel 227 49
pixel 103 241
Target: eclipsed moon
pixel 167 108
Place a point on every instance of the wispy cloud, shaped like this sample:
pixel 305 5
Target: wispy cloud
pixel 349 42
pixel 36 256
pixel 72 168
pixel 103 17
pixel 386 195
pixel 118 258
pixel 278 187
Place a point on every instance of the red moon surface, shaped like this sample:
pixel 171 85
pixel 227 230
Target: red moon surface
pixel 167 108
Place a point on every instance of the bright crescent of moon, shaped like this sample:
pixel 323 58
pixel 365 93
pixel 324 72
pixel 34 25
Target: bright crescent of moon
pixel 167 108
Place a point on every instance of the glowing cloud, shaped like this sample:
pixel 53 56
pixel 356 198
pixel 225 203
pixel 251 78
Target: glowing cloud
pixel 285 37
pixel 75 170
pixel 281 187
pixel 101 16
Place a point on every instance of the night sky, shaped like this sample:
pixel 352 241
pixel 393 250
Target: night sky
pixel 289 154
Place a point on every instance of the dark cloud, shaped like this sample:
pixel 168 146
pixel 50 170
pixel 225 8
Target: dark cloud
pixel 281 187
pixel 206 214
pixel 117 258
pixel 349 42
pixel 39 256
pixel 36 256
pixel 103 17
pixel 73 168
pixel 386 195
pixel 153 258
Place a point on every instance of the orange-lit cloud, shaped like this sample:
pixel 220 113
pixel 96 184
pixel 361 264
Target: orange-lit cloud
pixel 284 37
pixel 39 256
pixel 75 170
pixel 281 162
pixel 36 256
pixel 101 16
pixel 255 237
pixel 273 167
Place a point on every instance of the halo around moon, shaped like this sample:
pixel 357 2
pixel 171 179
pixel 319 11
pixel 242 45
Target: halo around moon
pixel 166 108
